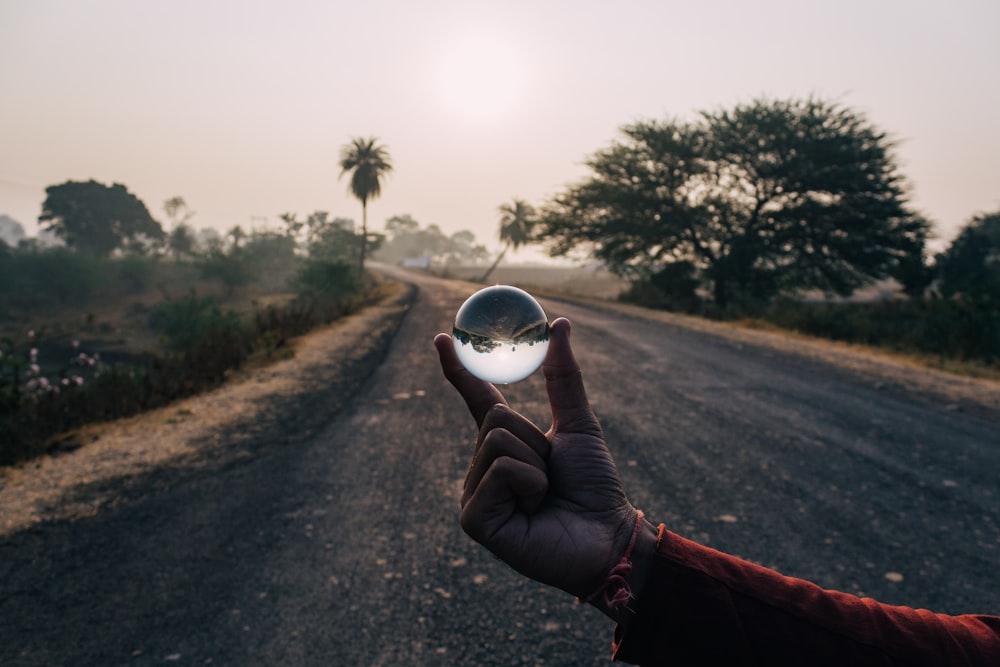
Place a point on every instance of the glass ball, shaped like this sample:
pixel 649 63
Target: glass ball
pixel 501 334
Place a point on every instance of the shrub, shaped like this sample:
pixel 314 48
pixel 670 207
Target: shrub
pixel 674 287
pixel 135 273
pixel 331 288
pixel 184 323
pixel 55 276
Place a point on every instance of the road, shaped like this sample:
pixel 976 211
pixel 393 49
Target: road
pixel 343 547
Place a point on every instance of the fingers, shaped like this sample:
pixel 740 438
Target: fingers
pixel 479 395
pixel 495 506
pixel 564 383
pixel 500 443
pixel 522 428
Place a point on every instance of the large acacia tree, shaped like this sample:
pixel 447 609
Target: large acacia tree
pixel 368 163
pixel 768 197
pixel 99 218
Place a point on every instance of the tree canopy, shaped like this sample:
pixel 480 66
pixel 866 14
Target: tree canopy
pixel 767 197
pixel 99 218
pixel 970 267
pixel 517 220
pixel 407 240
pixel 368 163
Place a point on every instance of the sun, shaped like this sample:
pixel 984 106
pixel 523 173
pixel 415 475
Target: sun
pixel 480 78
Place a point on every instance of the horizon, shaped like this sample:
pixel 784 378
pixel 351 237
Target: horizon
pixel 242 110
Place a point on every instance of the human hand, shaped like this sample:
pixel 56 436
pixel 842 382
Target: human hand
pixel 551 505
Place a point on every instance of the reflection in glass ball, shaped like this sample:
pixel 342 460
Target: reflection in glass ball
pixel 501 334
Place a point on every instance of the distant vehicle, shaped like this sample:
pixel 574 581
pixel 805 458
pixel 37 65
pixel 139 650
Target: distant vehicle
pixel 416 262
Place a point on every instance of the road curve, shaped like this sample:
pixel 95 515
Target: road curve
pixel 342 547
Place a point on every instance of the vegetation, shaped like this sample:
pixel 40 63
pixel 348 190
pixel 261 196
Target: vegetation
pixel 517 220
pixel 88 336
pixel 99 219
pixel 405 239
pixel 765 199
pixel 368 163
pixel 956 318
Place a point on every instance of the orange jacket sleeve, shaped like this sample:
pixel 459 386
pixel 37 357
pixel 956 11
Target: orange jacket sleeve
pixel 701 606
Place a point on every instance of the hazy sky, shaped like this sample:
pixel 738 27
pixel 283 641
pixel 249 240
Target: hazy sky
pixel 241 107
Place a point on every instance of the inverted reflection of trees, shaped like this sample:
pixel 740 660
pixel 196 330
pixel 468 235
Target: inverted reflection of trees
pixel 536 333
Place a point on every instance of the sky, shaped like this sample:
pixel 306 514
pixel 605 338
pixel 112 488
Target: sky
pixel 241 107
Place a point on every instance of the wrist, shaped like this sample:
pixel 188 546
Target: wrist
pixel 626 580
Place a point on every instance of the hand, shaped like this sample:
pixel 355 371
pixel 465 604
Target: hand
pixel 549 504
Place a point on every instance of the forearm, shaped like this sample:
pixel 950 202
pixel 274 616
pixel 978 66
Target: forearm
pixel 699 605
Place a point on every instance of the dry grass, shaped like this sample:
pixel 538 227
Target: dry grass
pixel 593 282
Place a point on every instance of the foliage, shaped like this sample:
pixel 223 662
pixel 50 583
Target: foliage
pixel 517 220
pixel 970 267
pixel 407 240
pixel 327 286
pixel 674 288
pixel 181 241
pixel 766 198
pixel 229 269
pixel 368 163
pixel 946 328
pixel 98 218
pixel 185 322
pixel 54 276
pixel 135 273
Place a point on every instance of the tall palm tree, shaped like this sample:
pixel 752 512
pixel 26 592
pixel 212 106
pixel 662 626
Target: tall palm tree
pixel 369 164
pixel 516 221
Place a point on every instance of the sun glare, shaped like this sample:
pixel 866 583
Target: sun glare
pixel 480 78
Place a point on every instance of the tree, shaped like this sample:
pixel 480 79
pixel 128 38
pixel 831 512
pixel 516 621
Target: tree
pixel 368 163
pixel 517 220
pixel 971 265
pixel 181 239
pixel 98 218
pixel 238 235
pixel 770 197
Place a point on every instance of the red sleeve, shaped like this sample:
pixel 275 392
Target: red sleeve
pixel 701 606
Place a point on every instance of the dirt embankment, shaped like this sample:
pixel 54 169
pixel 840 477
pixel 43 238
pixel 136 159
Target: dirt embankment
pixel 213 428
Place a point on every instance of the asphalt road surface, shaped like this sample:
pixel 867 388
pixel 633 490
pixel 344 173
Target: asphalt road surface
pixel 341 546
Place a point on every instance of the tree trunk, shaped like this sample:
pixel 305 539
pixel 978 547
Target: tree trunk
pixel 364 241
pixel 494 265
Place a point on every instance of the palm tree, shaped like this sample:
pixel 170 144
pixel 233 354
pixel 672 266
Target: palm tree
pixel 369 163
pixel 516 220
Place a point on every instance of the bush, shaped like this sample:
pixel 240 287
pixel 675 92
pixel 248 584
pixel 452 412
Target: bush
pixel 54 276
pixel 184 323
pixel 330 288
pixel 671 288
pixel 135 273
pixel 230 270
pixel 960 329
pixel 203 345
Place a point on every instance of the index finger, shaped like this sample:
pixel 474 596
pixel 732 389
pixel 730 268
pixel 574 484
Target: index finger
pixel 479 395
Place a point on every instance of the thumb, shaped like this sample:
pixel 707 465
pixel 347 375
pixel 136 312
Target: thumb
pixel 564 383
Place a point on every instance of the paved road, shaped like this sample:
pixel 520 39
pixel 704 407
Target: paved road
pixel 343 548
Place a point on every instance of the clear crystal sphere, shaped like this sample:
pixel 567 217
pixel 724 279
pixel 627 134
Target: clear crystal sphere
pixel 501 334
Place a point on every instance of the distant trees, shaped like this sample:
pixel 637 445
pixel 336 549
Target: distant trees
pixel 517 219
pixel 368 163
pixel 406 239
pixel 765 198
pixel 970 267
pixel 99 219
pixel 181 239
